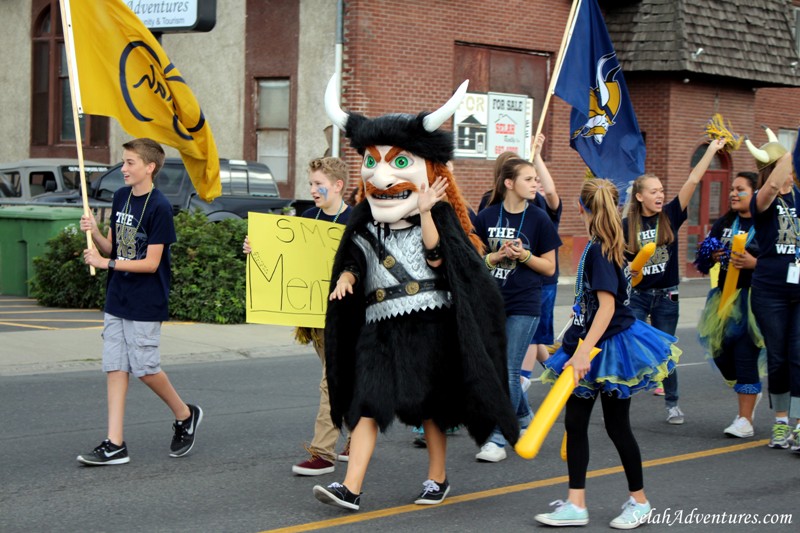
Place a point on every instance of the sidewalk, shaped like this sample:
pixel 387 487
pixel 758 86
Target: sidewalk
pixel 34 352
pixel 64 350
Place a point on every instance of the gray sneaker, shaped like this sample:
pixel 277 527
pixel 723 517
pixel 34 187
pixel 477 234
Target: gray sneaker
pixel 781 434
pixel 795 440
pixel 675 415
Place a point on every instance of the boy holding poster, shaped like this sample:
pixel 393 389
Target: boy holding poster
pixel 327 179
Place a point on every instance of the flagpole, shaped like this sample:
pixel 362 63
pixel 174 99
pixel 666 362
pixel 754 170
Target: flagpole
pixel 557 70
pixel 66 23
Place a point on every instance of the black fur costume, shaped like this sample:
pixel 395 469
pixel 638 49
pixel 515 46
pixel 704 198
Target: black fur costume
pixel 448 365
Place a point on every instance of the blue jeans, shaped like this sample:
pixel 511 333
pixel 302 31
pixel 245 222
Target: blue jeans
pixel 778 316
pixel 519 329
pixel 661 305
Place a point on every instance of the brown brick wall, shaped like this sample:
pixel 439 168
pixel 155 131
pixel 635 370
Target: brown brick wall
pixel 399 58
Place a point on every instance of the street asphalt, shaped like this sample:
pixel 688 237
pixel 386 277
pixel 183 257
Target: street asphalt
pixel 259 393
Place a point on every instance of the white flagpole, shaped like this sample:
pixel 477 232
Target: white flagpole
pixel 74 89
pixel 557 70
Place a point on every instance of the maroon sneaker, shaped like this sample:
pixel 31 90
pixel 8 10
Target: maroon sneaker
pixel 315 466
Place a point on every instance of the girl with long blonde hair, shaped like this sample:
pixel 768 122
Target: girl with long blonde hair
pixel 651 220
pixel 633 357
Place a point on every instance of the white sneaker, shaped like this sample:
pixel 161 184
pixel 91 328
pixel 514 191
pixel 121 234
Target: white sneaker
pixel 674 415
pixel 525 383
pixel 741 428
pixel 491 453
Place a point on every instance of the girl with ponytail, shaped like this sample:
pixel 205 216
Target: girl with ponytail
pixel 633 356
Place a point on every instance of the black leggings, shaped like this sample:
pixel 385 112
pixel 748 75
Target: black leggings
pixel 618 427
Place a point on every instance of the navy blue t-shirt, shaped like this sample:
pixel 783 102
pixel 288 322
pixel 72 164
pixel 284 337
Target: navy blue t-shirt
pixel 600 274
pixel 661 271
pixel 520 285
pixel 723 230
pixel 318 214
pixel 776 230
pixel 555 218
pixel 139 296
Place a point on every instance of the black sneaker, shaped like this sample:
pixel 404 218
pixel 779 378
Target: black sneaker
pixel 337 494
pixel 432 492
pixel 107 453
pixel 185 431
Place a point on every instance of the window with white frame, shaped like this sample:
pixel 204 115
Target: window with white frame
pixel 272 129
pixel 787 138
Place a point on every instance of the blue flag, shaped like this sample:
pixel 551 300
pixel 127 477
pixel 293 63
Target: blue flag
pixel 796 157
pixel 603 126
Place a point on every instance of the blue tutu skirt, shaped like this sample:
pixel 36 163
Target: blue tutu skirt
pixel 631 361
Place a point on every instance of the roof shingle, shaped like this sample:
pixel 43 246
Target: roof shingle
pixel 742 39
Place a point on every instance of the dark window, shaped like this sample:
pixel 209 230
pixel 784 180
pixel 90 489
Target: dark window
pixel 52 122
pixel 503 71
pixel 10 186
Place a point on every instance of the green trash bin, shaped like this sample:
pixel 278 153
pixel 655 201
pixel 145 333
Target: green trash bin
pixel 24 232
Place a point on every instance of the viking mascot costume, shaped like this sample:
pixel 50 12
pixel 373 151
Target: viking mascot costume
pixel 415 324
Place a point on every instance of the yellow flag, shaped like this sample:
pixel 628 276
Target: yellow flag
pixel 123 72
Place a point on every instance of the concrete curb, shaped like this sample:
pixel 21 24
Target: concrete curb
pixel 66 350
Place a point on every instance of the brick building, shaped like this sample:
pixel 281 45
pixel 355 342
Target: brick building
pixel 260 75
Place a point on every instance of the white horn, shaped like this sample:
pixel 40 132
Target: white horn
pixel 758 153
pixel 432 122
pixel 332 108
pixel 771 137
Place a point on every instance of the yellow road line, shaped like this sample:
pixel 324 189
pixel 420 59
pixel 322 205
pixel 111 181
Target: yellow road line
pixel 15 324
pixel 394 511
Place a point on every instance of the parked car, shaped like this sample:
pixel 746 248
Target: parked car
pixel 246 186
pixel 36 180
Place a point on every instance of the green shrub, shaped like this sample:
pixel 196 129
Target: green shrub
pixel 61 278
pixel 208 281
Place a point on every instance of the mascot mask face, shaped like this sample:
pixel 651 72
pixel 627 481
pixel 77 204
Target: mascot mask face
pixel 392 180
pixel 395 149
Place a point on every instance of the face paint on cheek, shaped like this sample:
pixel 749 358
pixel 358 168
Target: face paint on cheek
pixel 742 194
pixel 323 191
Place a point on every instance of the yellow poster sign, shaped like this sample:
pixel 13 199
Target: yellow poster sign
pixel 289 269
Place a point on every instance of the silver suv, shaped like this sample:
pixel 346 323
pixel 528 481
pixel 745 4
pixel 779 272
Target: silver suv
pixel 33 180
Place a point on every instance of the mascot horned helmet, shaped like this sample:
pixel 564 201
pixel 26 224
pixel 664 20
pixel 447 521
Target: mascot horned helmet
pixel 769 152
pixel 400 152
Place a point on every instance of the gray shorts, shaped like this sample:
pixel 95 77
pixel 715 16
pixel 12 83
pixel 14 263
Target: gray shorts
pixel 131 346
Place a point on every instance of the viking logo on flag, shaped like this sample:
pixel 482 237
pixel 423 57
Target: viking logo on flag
pixel 603 126
pixel 604 101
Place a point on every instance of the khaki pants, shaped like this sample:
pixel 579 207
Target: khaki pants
pixel 325 433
